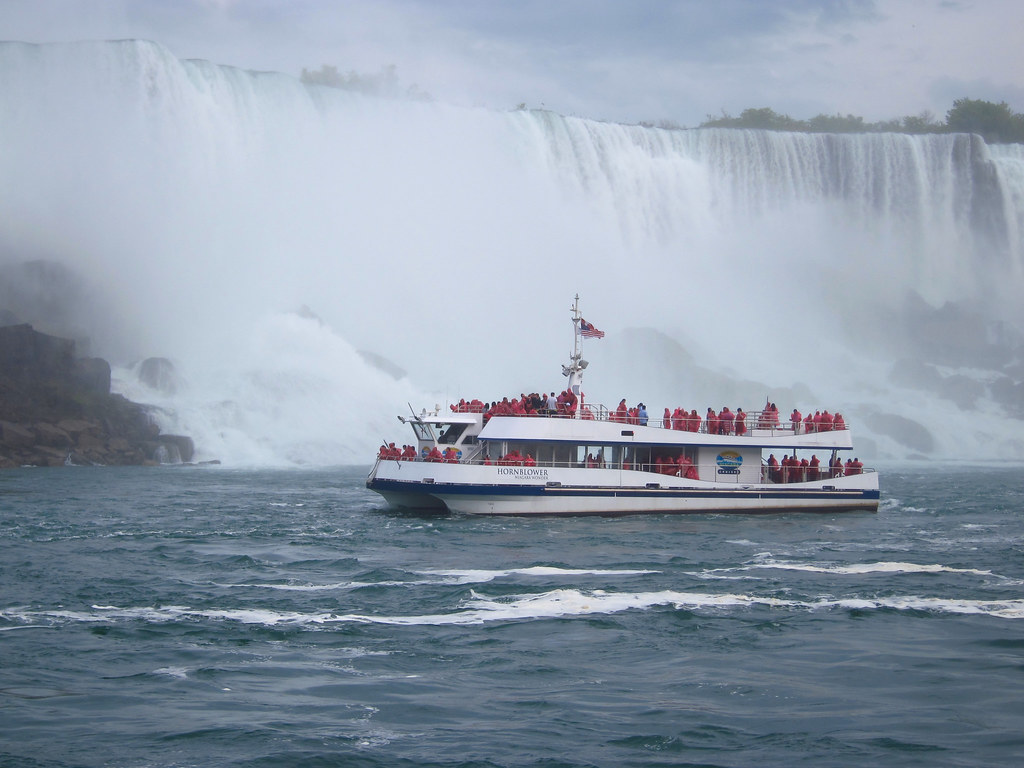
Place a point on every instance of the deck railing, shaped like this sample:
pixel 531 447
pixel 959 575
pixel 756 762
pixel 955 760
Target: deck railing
pixel 761 423
pixel 704 471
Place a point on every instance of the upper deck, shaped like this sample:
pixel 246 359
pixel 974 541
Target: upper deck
pixel 599 425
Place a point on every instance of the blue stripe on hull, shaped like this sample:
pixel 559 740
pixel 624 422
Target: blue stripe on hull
pixel 832 501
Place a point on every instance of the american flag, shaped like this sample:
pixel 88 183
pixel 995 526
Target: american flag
pixel 587 331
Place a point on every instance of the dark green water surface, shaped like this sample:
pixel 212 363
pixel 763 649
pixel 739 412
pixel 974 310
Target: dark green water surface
pixel 202 616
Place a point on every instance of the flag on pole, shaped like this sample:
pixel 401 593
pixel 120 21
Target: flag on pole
pixel 587 331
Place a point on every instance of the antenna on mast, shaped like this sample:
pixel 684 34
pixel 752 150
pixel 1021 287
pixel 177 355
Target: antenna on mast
pixel 574 370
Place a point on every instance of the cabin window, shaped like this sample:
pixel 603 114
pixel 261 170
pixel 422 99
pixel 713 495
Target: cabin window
pixel 452 434
pixel 564 455
pixel 594 456
pixel 423 431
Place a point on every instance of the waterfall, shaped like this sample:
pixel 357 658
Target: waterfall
pixel 205 205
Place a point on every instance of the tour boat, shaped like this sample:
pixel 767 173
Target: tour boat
pixel 579 458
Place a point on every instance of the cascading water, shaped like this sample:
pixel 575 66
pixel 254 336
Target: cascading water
pixel 209 204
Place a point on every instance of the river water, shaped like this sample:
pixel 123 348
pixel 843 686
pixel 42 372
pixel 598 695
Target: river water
pixel 198 616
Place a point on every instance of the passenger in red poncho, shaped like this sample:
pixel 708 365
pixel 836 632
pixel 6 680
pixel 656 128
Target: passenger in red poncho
pixel 796 419
pixel 667 419
pixel 741 422
pixel 826 421
pixel 725 417
pixel 621 414
pixel 712 421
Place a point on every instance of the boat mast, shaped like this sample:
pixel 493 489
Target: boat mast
pixel 574 370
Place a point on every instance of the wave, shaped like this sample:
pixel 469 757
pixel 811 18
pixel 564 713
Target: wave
pixel 476 576
pixel 445 576
pixel 554 604
pixel 861 568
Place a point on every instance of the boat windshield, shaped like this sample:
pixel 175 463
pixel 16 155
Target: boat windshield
pixel 422 430
pixel 452 433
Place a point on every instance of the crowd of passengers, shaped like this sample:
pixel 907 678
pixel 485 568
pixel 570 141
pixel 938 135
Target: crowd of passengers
pixel 794 470
pixel 534 404
pixel 725 422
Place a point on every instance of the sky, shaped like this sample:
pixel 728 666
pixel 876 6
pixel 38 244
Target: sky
pixel 658 61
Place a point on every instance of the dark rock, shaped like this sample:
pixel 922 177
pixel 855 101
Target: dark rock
pixel 92 374
pixel 52 436
pixel 16 435
pixel 962 390
pixel 26 354
pixel 958 335
pixel 158 373
pixel 915 374
pixel 56 409
pixel 174 449
pixel 78 427
pixel 904 431
pixel 51 297
pixel 1009 394
pixel 381 363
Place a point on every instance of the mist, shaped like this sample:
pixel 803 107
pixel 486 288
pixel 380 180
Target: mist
pixel 277 241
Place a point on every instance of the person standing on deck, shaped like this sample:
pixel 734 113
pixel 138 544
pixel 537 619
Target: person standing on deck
pixel 741 422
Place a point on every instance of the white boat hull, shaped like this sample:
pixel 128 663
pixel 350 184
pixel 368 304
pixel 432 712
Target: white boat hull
pixel 489 490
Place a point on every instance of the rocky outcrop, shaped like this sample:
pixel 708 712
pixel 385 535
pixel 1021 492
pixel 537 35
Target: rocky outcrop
pixel 57 409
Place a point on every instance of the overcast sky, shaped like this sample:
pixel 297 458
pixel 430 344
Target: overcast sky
pixel 619 60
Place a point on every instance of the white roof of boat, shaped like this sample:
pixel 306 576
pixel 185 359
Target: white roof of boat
pixel 444 418
pixel 594 432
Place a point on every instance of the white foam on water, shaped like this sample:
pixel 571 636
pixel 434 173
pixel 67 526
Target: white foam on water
pixel 332 586
pixel 864 568
pixel 476 576
pixel 178 673
pixel 1003 609
pixel 559 603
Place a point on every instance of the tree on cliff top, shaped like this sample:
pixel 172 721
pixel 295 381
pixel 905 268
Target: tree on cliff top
pixel 996 122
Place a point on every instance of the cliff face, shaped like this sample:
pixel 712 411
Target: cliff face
pixel 57 409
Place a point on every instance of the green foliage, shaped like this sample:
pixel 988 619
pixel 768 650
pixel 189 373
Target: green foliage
pixel 996 123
